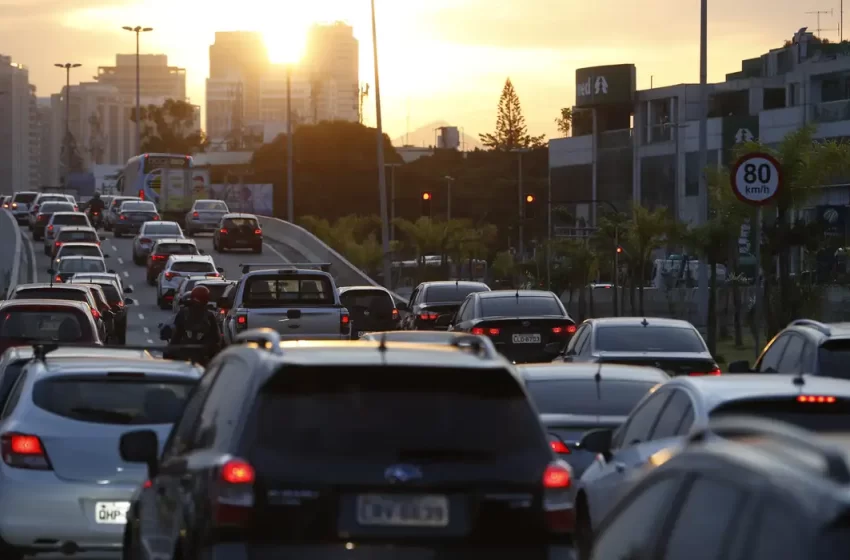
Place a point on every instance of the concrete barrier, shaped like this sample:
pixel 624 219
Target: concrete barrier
pixel 10 252
pixel 345 273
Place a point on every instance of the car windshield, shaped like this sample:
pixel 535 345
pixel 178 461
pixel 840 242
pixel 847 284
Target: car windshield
pixel 275 291
pixel 212 205
pixel 377 301
pixel 110 290
pixel 627 338
pixel 138 207
pixel 216 289
pixel 451 293
pixel 171 230
pixel 51 293
pixel 24 198
pixel 176 249
pixel 44 323
pixel 75 219
pixel 523 306
pixel 79 236
pixel 131 399
pixel 813 416
pixel 81 265
pixel 117 202
pixel 192 266
pixel 51 198
pixel 585 397
pixel 79 250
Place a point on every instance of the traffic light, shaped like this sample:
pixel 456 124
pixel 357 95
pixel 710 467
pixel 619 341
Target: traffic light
pixel 619 249
pixel 427 198
pixel 530 207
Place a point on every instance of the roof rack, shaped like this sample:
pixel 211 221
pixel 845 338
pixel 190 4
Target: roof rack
pixel 267 339
pixel 812 324
pixel 42 349
pixel 246 268
pixel 836 466
pixel 475 343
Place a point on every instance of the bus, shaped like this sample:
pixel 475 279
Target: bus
pixel 168 180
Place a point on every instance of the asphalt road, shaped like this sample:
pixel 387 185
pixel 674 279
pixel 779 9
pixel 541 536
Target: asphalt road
pixel 144 317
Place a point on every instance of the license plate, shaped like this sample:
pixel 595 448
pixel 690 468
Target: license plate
pixel 111 513
pixel 526 339
pixel 402 511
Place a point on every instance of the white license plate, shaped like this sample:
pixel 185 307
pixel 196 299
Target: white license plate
pixel 526 339
pixel 402 511
pixel 111 513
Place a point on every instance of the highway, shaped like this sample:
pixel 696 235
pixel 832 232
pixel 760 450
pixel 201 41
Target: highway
pixel 144 317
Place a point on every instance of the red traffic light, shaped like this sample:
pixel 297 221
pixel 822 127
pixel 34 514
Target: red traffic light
pixel 529 199
pixel 426 196
pixel 619 249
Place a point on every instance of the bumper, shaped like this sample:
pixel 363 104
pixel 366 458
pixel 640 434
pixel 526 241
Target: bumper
pixel 37 228
pixel 521 355
pixel 126 227
pixel 237 242
pixel 168 287
pixel 389 551
pixel 22 216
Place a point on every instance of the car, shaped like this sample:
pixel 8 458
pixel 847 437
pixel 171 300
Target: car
pixel 66 292
pixel 43 198
pixel 69 266
pixel 42 217
pixel 525 325
pixel 445 443
pixel 78 249
pixel 662 421
pixel 4 201
pixel 111 212
pixel 238 231
pixel 669 344
pixel 479 344
pixel 111 276
pixel 26 321
pixel 63 484
pixel 176 268
pixel 75 234
pixel 431 300
pixel 150 233
pixel 371 308
pixel 575 398
pixel 59 220
pixel 105 313
pixel 114 294
pixel 205 216
pixel 132 215
pixel 766 490
pixel 20 204
pixel 162 249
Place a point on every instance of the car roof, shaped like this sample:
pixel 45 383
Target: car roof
pixel 104 363
pixel 16 353
pixel 497 294
pixel 79 305
pixel 717 390
pixel 239 215
pixel 78 228
pixel 78 244
pixel 344 289
pixel 97 275
pixel 639 321
pixel 465 283
pixel 183 240
pixel 81 257
pixel 587 371
pixel 160 223
pixel 43 285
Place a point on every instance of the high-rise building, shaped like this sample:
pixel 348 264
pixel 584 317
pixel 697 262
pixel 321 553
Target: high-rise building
pixel 48 160
pixel 241 55
pixel 332 59
pixel 273 96
pixel 14 126
pixel 157 80
pixel 34 141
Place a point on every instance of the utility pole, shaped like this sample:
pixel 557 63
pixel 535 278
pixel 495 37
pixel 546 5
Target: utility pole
pixel 702 278
pixel 382 175
pixel 138 30
pixel 68 155
pixel 290 160
pixel 449 181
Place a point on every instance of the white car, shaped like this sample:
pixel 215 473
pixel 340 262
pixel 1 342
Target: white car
pixel 20 205
pixel 87 276
pixel 75 234
pixel 78 250
pixel 57 221
pixel 68 266
pixel 179 266
pixel 47 197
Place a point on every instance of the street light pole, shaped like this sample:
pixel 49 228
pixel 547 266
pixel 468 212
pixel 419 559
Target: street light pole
pixel 449 181
pixel 382 176
pixel 138 30
pixel 520 196
pixel 67 66
pixel 393 166
pixel 290 160
pixel 703 153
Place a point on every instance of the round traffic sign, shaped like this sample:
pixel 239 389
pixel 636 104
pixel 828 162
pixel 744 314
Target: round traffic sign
pixel 756 178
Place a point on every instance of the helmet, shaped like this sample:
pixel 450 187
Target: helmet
pixel 96 194
pixel 200 294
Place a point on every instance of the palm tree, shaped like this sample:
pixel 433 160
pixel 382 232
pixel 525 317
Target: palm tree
pixel 646 232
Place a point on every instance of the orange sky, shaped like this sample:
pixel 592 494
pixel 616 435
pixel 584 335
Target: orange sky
pixel 440 59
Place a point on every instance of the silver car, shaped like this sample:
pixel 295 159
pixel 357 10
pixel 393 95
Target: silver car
pixel 149 234
pixel 205 216
pixel 63 485
pixel 110 213
pixel 59 220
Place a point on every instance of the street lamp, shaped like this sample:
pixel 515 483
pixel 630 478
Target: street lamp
pixel 449 180
pixel 392 198
pixel 138 30
pixel 382 178
pixel 703 152
pixel 290 172
pixel 67 67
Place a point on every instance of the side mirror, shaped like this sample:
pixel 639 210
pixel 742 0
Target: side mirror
pixel 110 271
pixel 51 271
pixel 128 289
pixel 741 366
pixel 402 306
pixel 141 446
pixel 597 441
pixel 129 301
pixel 106 255
pixel 220 270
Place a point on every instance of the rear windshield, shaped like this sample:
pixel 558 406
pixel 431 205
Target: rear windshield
pixel 118 400
pixel 81 265
pixel 580 396
pixel 833 357
pixel 520 306
pixel 84 250
pixel 117 202
pixel 51 198
pixel 52 207
pixel 241 223
pixel 648 339
pixel 397 414
pixel 272 291
pixel 162 229
pixel 42 323
pixel 55 293
pixel 815 417
pixel 211 205
pixel 377 301
pixel 450 293
pixel 24 198
pixel 192 266
pixel 81 236
pixel 113 296
pixel 176 249
pixel 70 219
pixel 138 207
pixel 216 290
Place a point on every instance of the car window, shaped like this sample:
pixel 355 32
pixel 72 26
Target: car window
pixel 192 266
pixel 581 397
pixel 138 207
pixel 463 312
pixel 176 249
pixel 377 301
pixel 44 323
pixel 162 229
pixel 110 290
pixel 216 290
pixel 790 360
pixel 241 223
pixel 77 236
pixel 81 265
pixel 222 408
pixel 181 435
pixel 623 338
pixel 24 198
pixel 70 220
pixel 15 395
pixel 450 293
pixel 528 306
pixel 52 207
pixel 82 250
pixel 833 356
pixel 770 361
pixel 816 413
pixel 672 416
pixel 272 291
pixel 627 535
pixel 11 373
pixel 51 293
pixel 706 523
pixel 215 205
pixel 779 533
pixel 640 425
pixel 577 339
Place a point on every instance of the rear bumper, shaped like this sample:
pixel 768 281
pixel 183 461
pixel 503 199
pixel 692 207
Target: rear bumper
pixel 389 551
pixel 201 226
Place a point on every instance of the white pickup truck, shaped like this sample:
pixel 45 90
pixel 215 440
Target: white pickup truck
pixel 298 300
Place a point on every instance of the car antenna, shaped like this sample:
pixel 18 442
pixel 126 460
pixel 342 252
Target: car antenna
pixel 382 345
pixel 799 381
pixel 517 293
pixel 645 323
pixel 597 377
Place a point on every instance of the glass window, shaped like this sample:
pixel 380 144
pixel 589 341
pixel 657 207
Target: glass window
pixel 110 290
pixel 79 250
pixel 648 339
pixel 272 291
pixel 833 357
pixel 527 306
pixel 181 435
pixel 376 301
pixel 10 376
pixel 176 249
pixel 241 223
pixel 215 205
pixel 71 220
pixel 162 229
pixel 671 418
pixel 24 198
pixel 81 265
pixel 770 360
pixel 790 361
pixel 15 395
pixel 216 289
pixel 451 293
pixel 812 416
pixel 53 207
pixel 77 236
pixel 640 424
pixel 51 293
pixel 581 397
pixel 138 206
pixel 29 324
pixel 575 342
pixel 778 535
pixel 223 406
pixel 192 266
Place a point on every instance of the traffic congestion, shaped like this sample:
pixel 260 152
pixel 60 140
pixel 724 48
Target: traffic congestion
pixel 190 389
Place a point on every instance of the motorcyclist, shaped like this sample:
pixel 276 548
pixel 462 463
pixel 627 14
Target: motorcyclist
pixel 196 324
pixel 95 207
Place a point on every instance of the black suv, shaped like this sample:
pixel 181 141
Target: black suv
pixel 804 346
pixel 781 494
pixel 372 309
pixel 312 449
pixel 432 305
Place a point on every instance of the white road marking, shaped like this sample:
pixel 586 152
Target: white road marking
pixel 150 341
pixel 126 274
pixel 276 252
pixel 114 248
pixel 141 317
pixel 132 288
pixel 33 267
pixel 120 260
pixel 147 330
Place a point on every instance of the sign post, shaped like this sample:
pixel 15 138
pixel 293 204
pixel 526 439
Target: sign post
pixel 756 180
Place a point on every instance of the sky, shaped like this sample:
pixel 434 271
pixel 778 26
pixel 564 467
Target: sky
pixel 440 60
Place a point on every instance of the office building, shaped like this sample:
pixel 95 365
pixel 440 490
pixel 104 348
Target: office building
pixel 332 60
pixel 15 115
pixel 34 141
pixel 158 81
pixel 48 160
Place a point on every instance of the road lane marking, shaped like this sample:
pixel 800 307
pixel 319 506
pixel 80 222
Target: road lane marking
pixel 132 288
pixel 114 248
pixel 33 263
pixel 276 252
pixel 147 330
pixel 120 260
pixel 150 341
pixel 126 274
pixel 141 317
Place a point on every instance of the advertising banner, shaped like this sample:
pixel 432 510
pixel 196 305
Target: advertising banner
pixel 605 85
pixel 176 189
pixel 251 199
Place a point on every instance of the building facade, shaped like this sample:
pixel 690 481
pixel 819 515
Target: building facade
pixel 157 80
pixel 15 150
pixel 48 161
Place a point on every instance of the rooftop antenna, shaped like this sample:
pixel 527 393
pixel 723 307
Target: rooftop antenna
pixel 407 126
pixel 818 29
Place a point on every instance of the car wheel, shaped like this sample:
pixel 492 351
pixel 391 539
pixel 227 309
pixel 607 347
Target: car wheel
pixel 151 281
pixel 9 552
pixel 138 260
pixel 36 237
pixel 46 250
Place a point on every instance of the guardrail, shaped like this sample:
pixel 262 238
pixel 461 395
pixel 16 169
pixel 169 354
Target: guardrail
pixel 10 252
pixel 316 250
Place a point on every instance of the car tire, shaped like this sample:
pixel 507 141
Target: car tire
pixel 46 250
pixel 138 260
pixel 36 237
pixel 151 281
pixel 583 531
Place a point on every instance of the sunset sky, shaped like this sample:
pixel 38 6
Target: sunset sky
pixel 440 59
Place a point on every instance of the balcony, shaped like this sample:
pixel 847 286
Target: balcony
pixel 832 111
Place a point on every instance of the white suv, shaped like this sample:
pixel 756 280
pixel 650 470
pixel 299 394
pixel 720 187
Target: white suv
pixel 178 267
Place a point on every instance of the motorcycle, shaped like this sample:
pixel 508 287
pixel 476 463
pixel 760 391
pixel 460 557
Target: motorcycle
pixel 96 218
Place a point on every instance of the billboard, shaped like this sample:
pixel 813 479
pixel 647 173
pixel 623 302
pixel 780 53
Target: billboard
pixel 176 189
pixel 251 199
pixel 605 85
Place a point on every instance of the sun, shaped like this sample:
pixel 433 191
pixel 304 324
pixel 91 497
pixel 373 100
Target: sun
pixel 285 45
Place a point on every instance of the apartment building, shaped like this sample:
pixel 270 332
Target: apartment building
pixel 157 80
pixel 15 115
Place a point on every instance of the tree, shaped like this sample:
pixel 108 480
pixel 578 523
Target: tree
pixel 170 128
pixel 646 232
pixel 565 121
pixel 511 131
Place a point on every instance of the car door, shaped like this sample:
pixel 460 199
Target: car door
pixel 461 316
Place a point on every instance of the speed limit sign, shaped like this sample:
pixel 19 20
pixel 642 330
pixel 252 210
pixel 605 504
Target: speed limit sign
pixel 756 178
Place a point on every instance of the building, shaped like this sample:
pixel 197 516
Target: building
pixel 332 60
pixel 34 141
pixel 157 80
pixel 273 96
pixel 239 56
pixel 48 160
pixel 15 116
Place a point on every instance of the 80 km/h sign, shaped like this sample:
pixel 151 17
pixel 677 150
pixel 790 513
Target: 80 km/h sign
pixel 756 178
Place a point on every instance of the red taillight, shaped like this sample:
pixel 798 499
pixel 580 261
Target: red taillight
pixel 40 218
pixel 429 316
pixel 571 329
pixel 568 329
pixel 395 314
pixel 169 298
pixel 195 215
pixel 241 322
pixel 57 279
pixel 122 217
pixel 715 371
pixel 156 218
pixel 258 231
pixel 821 399
pixel 489 331
pixel 222 311
pixel 50 227
pixel 95 313
pixel 169 275
pixel 234 494
pixel 145 240
pixel 237 472
pixel 223 231
pixel 557 502
pixel 344 323
pixel 158 257
pixel 559 447
pixel 141 194
pixel 24 451
pixel 58 244
pixel 147 484
pixel 120 304
pixel 213 274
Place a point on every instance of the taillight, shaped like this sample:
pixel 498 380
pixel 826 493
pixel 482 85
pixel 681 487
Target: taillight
pixel 258 231
pixel 141 194
pixel 58 244
pixel 557 503
pixel 567 329
pixel 395 314
pixel 158 257
pixel 559 447
pixel 40 218
pixel 429 316
pixel 95 313
pixel 234 494
pixel 222 311
pixel 223 231
pixel 145 240
pixel 122 217
pixel 822 399
pixel 147 484
pixel 715 371
pixel 489 332
pixel 24 451
pixel 57 279
pixel 156 218
pixel 169 275
pixel 120 304
pixel 241 322
pixel 50 227
pixel 344 323
pixel 195 215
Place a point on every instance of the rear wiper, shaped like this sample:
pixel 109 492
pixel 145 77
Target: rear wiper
pixel 437 455
pixel 106 415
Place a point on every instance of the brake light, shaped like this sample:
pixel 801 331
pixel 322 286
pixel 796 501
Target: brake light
pixel 195 215
pixel 95 313
pixel 429 316
pixel 223 231
pixel 821 399
pixel 156 218
pixel 559 447
pixel 557 503
pixel 237 472
pixel 715 371
pixel 122 217
pixel 145 240
pixel 40 218
pixel 169 275
pixel 490 332
pixel 120 304
pixel 395 314
pixel 50 227
pixel 234 494
pixel 57 279
pixel 24 451
pixel 58 243
pixel 158 257
pixel 141 194
pixel 222 311
pixel 242 320
pixel 214 274
pixel 147 484
pixel 258 231
pixel 344 323
pixel 14 205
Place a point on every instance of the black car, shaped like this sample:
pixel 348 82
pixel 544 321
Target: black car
pixel 43 216
pixel 669 344
pixel 416 452
pixel 371 308
pixel 432 304
pixel 238 231
pixel 525 325
pixel 780 494
pixel 575 398
pixel 117 303
pixel 132 215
